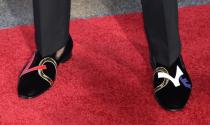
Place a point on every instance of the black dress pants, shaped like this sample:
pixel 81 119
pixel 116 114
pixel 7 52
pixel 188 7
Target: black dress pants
pixel 160 18
pixel 51 19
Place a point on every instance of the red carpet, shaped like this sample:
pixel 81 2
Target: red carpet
pixel 108 81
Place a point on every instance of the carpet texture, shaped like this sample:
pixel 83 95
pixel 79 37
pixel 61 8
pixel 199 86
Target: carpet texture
pixel 108 81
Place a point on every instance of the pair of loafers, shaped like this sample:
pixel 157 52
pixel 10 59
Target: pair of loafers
pixel 172 85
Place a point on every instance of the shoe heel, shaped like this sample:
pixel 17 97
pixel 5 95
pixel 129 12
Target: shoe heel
pixel 66 58
pixel 67 52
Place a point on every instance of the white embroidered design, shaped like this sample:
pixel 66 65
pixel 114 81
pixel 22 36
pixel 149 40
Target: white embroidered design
pixel 175 80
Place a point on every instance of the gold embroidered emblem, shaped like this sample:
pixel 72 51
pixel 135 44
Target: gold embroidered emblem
pixel 165 81
pixel 41 72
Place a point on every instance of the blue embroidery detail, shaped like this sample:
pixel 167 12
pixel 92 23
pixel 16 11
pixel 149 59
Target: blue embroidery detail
pixel 185 82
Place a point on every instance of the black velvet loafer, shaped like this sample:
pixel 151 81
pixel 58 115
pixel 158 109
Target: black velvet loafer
pixel 40 72
pixel 172 85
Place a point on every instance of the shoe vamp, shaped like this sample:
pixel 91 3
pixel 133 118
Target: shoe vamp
pixel 32 83
pixel 173 95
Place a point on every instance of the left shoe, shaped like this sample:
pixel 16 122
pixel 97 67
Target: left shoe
pixel 172 85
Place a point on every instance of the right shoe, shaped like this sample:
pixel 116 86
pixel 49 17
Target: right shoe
pixel 40 72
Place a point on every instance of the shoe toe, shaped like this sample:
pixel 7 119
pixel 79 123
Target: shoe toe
pixel 172 98
pixel 29 87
